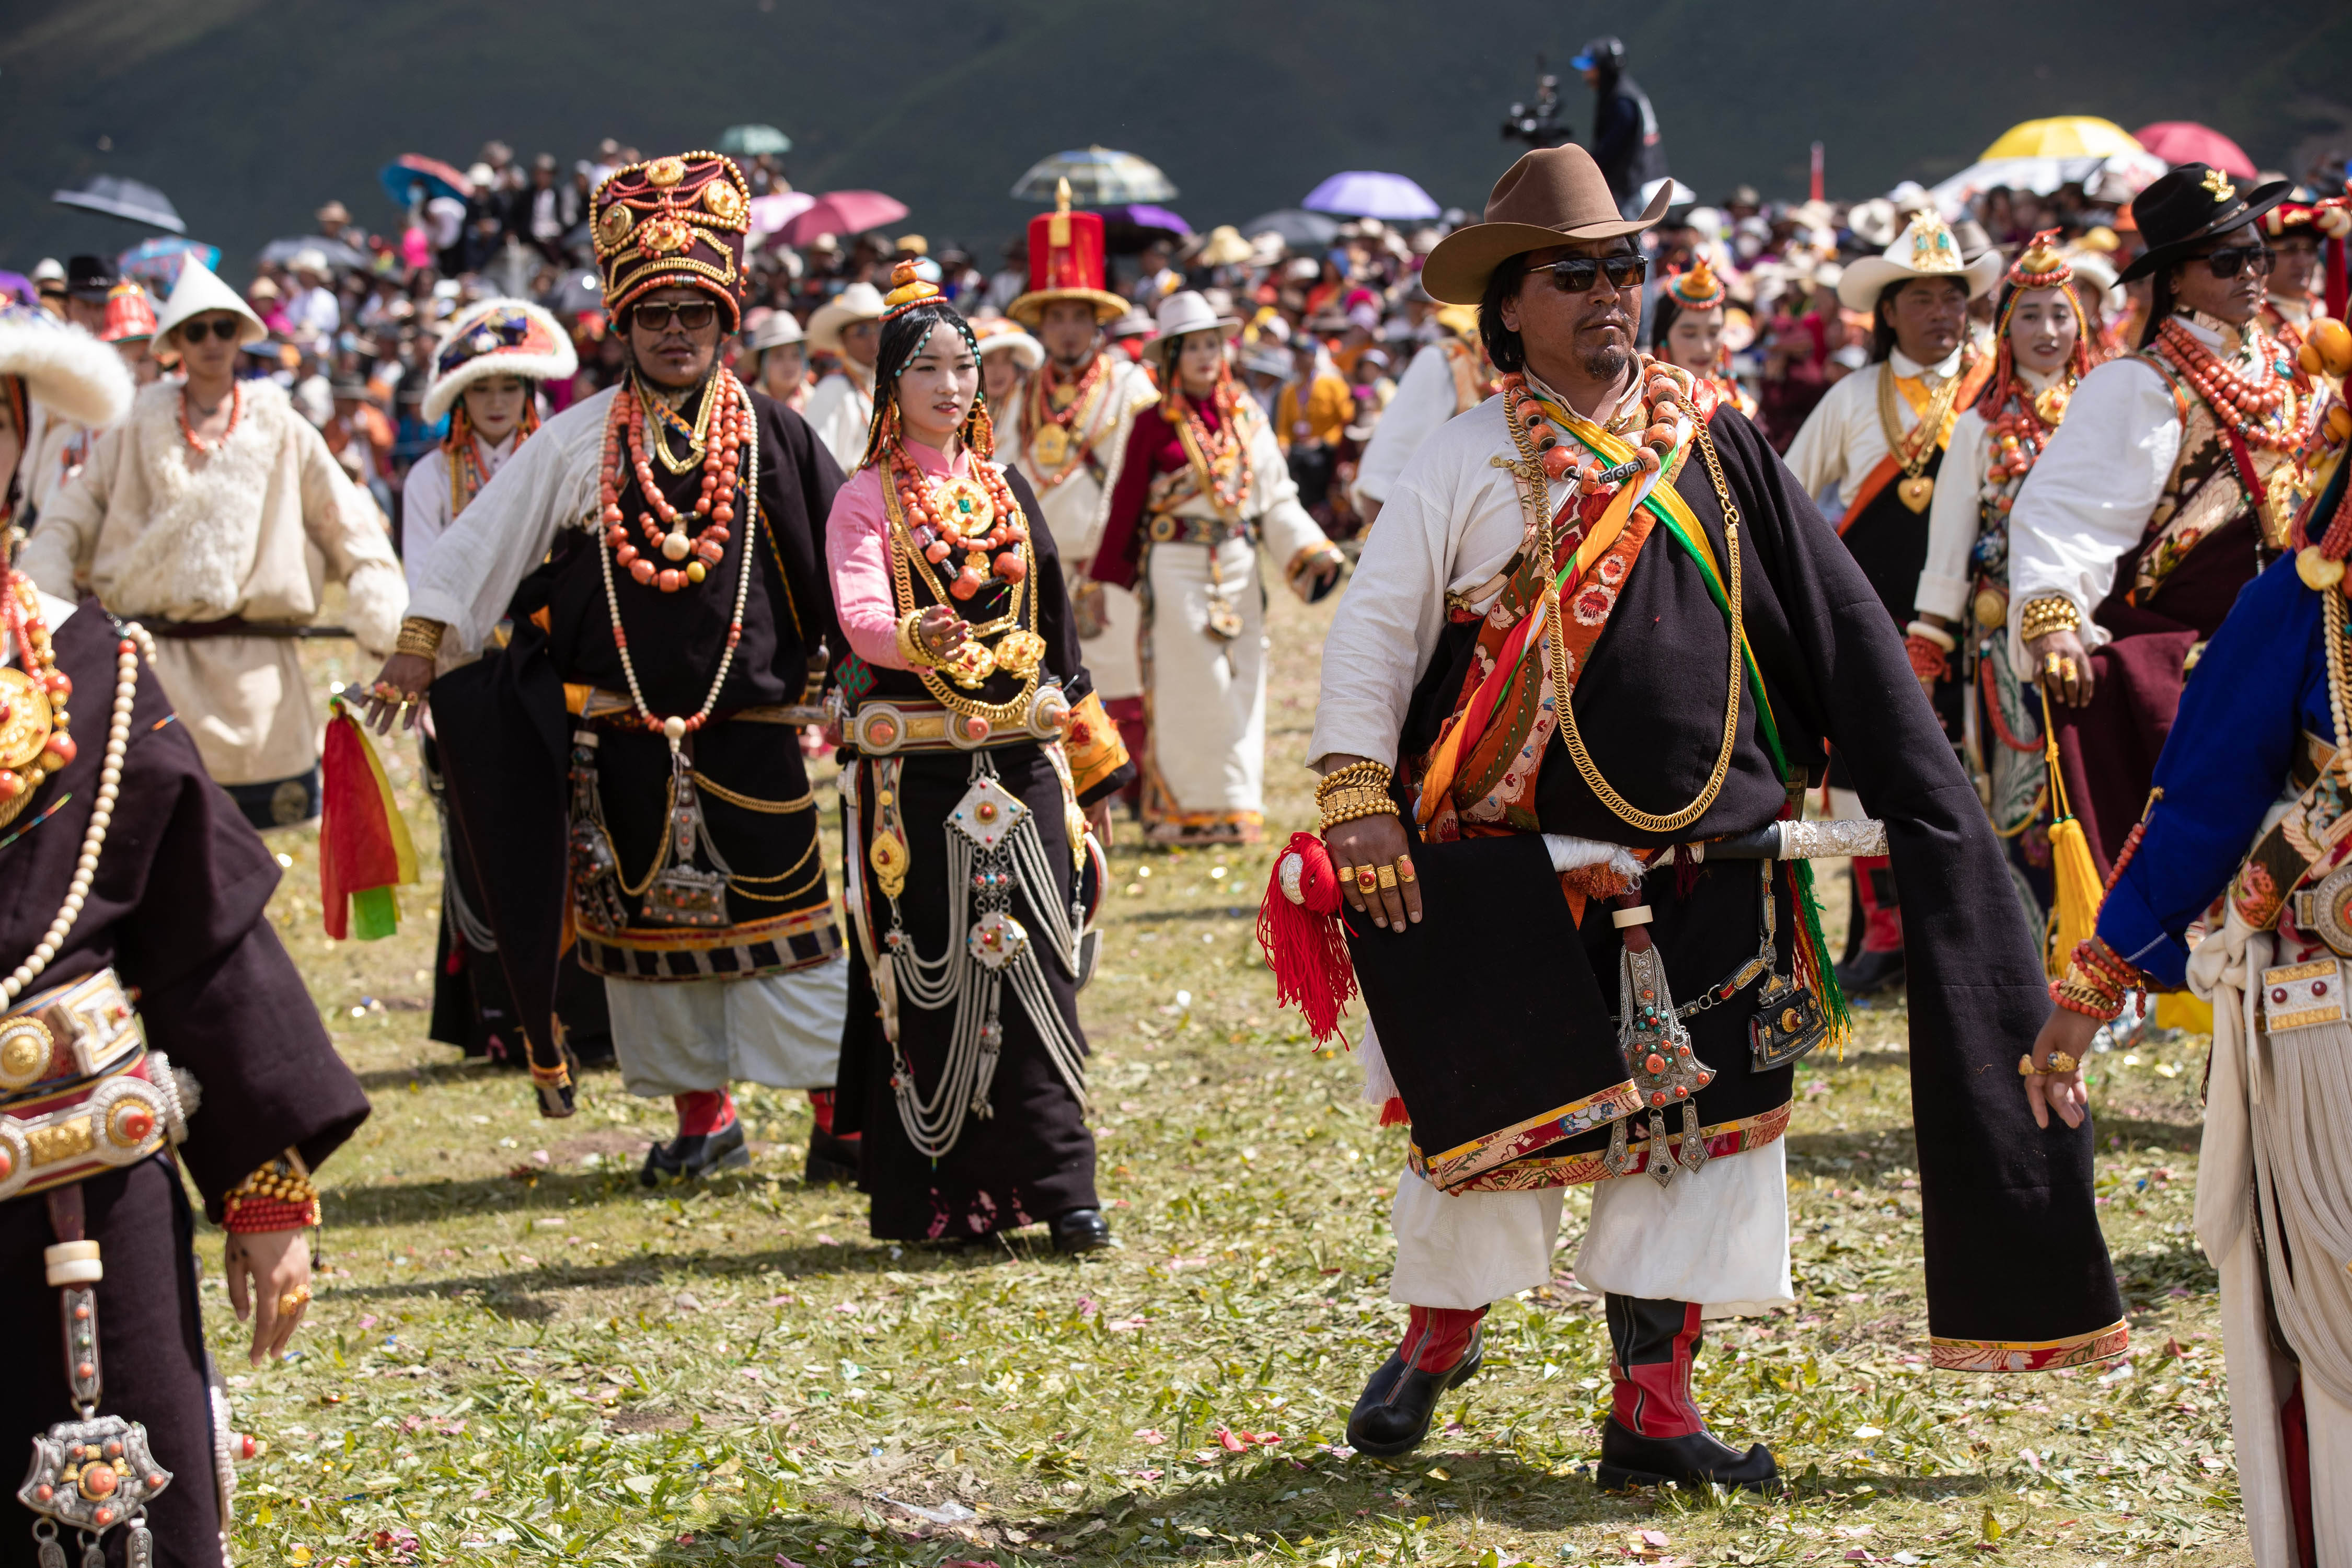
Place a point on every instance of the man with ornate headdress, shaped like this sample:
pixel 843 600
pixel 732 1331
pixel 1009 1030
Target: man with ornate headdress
pixel 1568 707
pixel 1877 440
pixel 2168 488
pixel 1070 440
pixel 657 549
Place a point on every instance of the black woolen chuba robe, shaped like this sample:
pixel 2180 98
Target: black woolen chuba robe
pixel 1033 1158
pixel 2002 1197
pixel 506 737
pixel 179 908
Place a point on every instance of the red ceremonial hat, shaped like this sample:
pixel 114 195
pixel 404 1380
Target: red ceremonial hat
pixel 1065 262
pixel 128 314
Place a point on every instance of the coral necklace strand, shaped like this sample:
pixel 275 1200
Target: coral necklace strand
pixel 187 431
pixel 689 560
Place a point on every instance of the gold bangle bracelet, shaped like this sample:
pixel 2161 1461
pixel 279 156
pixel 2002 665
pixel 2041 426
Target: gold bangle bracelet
pixel 911 646
pixel 419 637
pixel 2047 614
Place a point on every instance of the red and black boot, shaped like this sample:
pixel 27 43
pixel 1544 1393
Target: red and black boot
pixel 1879 918
pixel 832 1158
pixel 1443 1348
pixel 710 1138
pixel 1655 1433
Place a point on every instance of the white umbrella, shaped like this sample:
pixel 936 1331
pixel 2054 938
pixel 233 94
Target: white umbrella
pixel 2127 172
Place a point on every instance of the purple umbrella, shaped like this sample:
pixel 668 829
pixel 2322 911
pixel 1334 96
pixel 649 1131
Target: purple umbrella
pixel 1361 193
pixel 1143 215
pixel 19 285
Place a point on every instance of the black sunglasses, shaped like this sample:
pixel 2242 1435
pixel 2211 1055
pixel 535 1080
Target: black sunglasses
pixel 2256 258
pixel 656 318
pixel 1577 274
pixel 222 327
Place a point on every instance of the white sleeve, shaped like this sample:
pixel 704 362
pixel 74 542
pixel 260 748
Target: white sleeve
pixel 479 561
pixel 1817 457
pixel 1423 401
pixel 1389 622
pixel 2092 490
pixel 1952 518
pixel 1284 524
pixel 832 414
pixel 424 511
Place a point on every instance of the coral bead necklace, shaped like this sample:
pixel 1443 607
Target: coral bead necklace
pixel 1666 397
pixel 683 561
pixel 2245 399
pixel 975 517
pixel 1222 454
pixel 187 431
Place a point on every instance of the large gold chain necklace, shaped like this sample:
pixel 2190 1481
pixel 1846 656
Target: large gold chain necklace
pixel 1012 711
pixel 1911 447
pixel 1555 646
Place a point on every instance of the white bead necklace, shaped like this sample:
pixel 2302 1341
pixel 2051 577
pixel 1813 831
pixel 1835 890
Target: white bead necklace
pixel 135 644
pixel 675 729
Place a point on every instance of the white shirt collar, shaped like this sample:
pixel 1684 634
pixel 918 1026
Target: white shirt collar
pixel 493 456
pixel 1911 369
pixel 2036 379
pixel 1602 417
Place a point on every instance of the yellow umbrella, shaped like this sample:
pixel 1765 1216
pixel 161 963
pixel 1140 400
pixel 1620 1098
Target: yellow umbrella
pixel 2067 136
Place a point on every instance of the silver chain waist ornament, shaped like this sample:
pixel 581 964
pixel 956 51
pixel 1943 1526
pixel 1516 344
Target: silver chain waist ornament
pixel 994 854
pixel 1658 1050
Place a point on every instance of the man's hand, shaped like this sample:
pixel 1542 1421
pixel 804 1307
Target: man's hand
pixel 1098 819
pixel 1376 842
pixel 399 689
pixel 269 1285
pixel 2072 1033
pixel 2068 678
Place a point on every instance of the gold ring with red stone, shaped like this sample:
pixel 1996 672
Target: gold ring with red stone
pixel 1368 880
pixel 1405 870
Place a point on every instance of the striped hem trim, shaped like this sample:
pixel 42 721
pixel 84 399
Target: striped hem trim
pixel 1464 1162
pixel 1535 1172
pixel 736 952
pixel 2030 1356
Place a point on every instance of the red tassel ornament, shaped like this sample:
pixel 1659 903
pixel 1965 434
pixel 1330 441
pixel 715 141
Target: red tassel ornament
pixel 1299 931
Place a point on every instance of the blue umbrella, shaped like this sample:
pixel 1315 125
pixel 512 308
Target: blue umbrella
pixel 1362 192
pixel 412 169
pixel 158 261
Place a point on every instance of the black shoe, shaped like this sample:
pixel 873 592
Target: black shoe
pixel 1629 1460
pixel 1081 1230
pixel 1393 1413
pixel 832 1160
pixel 690 1155
pixel 1871 973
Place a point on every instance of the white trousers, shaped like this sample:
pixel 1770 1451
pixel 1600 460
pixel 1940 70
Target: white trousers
pixel 1719 1236
pixel 680 1036
pixel 1112 658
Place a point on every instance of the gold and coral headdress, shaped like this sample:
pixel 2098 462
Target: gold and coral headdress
pixel 2041 265
pixel 1696 288
pixel 679 220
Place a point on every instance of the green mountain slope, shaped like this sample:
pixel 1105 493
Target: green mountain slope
pixel 249 114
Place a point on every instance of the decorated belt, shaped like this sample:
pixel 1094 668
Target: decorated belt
pixel 80 1090
pixel 884 728
pixel 1169 529
pixel 598 706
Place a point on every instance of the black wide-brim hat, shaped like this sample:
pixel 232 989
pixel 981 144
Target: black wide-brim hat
pixel 2189 204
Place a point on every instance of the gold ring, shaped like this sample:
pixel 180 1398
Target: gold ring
pixel 2049 662
pixel 1404 869
pixel 1347 875
pixel 1366 880
pixel 293 1302
pixel 1388 878
pixel 2062 1062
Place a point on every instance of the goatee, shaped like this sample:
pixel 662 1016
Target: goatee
pixel 1606 364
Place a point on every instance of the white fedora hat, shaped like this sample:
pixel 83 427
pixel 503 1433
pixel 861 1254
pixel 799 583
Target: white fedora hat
pixel 858 302
pixel 1186 311
pixel 1925 248
pixel 777 329
pixel 1002 334
pixel 199 290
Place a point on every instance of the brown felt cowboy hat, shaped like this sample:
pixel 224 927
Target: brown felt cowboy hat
pixel 1549 195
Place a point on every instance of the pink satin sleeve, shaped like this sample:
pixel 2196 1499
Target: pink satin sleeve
pixel 855 555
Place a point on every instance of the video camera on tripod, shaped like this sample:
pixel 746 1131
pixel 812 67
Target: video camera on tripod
pixel 1541 126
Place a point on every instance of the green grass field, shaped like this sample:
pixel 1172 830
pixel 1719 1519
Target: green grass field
pixel 518 1355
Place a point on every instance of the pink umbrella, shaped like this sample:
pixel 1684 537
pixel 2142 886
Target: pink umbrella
pixel 2186 142
pixel 844 212
pixel 771 213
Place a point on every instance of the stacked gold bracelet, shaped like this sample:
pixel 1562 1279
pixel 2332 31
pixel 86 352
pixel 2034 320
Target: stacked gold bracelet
pixel 2047 614
pixel 1360 789
pixel 419 637
pixel 911 646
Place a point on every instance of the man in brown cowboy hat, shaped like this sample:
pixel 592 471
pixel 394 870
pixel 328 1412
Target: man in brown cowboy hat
pixel 1604 529
pixel 2155 503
